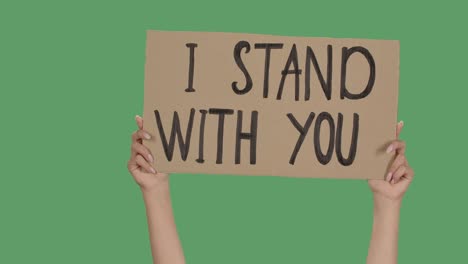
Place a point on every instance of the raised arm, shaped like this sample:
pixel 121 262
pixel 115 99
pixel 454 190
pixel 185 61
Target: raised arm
pixel 388 194
pixel 165 244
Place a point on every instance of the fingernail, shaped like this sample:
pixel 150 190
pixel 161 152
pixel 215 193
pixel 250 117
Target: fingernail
pixel 401 123
pixel 390 149
pixel 147 136
pixel 389 176
pixel 150 158
pixel 152 170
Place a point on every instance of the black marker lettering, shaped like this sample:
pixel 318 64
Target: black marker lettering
pixel 237 57
pixel 346 53
pixel 266 76
pixel 202 136
pixel 251 136
pixel 221 114
pixel 324 159
pixel 291 60
pixel 326 85
pixel 192 47
pixel 302 133
pixel 354 139
pixel 184 144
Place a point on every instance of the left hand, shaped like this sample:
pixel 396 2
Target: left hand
pixel 140 162
pixel 399 175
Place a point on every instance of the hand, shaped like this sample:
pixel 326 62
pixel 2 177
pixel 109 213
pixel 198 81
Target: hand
pixel 141 159
pixel 398 178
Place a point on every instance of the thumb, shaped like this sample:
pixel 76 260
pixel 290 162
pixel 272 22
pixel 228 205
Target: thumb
pixel 403 184
pixel 139 121
pixel 399 128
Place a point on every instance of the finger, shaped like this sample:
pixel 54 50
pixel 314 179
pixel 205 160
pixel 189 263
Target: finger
pixel 405 180
pixel 139 121
pixel 139 149
pixel 398 146
pixel 131 164
pixel 140 134
pixel 399 161
pixel 399 128
pixel 409 173
pixel 144 164
pixel 399 173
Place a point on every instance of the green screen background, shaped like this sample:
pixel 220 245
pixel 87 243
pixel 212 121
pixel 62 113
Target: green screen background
pixel 71 80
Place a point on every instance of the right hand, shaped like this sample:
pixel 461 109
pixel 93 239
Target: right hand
pixel 141 158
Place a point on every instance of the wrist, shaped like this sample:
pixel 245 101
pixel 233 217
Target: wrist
pixel 157 199
pixel 386 205
pixel 161 187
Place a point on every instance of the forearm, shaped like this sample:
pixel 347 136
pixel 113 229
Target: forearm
pixel 383 248
pixel 165 243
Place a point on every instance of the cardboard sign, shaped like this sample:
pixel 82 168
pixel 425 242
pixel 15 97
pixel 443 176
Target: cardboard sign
pixel 245 104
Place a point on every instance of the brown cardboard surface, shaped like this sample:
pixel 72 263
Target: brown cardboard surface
pixel 214 71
